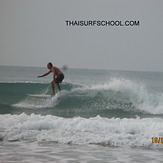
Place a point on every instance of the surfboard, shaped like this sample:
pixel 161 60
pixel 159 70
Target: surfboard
pixel 40 95
pixel 57 95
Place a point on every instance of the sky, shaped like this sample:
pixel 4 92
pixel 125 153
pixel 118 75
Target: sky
pixel 34 32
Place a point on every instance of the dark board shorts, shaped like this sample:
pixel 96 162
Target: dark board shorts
pixel 59 78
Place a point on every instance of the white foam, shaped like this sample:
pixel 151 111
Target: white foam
pixel 115 131
pixel 139 95
pixel 136 93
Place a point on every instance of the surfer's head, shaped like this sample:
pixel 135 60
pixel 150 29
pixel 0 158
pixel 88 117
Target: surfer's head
pixel 49 65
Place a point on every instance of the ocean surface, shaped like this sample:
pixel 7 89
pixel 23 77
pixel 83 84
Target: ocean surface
pixel 99 116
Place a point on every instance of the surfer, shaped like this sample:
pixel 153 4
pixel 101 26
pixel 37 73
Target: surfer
pixel 58 76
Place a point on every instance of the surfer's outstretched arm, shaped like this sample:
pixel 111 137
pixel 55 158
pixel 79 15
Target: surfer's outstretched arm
pixel 44 74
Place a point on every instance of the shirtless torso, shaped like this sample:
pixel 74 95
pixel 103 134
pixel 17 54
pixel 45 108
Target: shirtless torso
pixel 56 71
pixel 58 76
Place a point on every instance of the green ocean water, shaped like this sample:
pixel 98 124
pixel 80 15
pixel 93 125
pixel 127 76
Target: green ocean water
pixel 96 109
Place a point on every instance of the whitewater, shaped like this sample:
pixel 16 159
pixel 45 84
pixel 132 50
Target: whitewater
pixel 99 116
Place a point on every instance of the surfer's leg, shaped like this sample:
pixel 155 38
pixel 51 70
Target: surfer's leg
pixel 59 88
pixel 53 87
pixel 58 80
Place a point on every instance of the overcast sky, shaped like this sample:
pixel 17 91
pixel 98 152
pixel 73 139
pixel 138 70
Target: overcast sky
pixel 34 32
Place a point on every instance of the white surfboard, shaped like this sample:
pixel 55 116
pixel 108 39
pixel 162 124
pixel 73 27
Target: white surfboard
pixel 40 95
pixel 57 95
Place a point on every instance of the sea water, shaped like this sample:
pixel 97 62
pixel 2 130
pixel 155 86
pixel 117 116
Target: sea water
pixel 99 116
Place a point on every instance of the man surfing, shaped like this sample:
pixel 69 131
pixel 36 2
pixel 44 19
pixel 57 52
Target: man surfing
pixel 58 76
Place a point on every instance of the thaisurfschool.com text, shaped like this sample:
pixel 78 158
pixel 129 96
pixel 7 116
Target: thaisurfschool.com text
pixel 92 23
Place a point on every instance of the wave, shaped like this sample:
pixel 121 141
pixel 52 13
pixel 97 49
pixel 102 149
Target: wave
pixel 119 95
pixel 22 81
pixel 96 130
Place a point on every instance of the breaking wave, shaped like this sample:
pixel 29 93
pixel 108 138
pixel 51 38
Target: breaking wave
pixel 117 94
pixel 133 132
